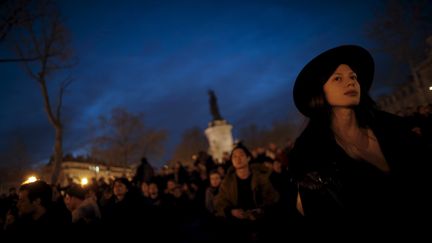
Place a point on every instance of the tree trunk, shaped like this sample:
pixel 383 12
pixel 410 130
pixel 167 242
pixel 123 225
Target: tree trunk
pixel 58 154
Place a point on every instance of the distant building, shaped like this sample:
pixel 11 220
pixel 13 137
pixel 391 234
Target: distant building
pixel 76 171
pixel 417 91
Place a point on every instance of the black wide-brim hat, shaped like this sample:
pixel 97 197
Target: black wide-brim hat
pixel 312 77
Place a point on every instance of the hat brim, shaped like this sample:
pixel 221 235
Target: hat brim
pixel 313 76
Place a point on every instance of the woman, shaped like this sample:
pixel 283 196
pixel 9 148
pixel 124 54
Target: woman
pixel 212 190
pixel 353 161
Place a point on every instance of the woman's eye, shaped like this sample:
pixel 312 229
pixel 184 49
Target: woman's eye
pixel 337 78
pixel 354 77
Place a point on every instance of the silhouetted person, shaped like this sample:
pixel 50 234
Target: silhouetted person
pixel 144 172
pixel 34 209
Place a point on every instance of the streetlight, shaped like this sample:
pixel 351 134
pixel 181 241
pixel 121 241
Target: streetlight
pixel 31 179
pixel 84 181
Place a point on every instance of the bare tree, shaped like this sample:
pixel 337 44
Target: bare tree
pixel 400 30
pixel 192 142
pixel 123 138
pixel 12 14
pixel 280 132
pixel 252 135
pixel 15 15
pixel 47 39
pixel 16 153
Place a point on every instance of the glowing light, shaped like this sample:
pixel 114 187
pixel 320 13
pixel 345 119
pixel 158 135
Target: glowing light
pixel 84 181
pixel 31 179
pixel 430 88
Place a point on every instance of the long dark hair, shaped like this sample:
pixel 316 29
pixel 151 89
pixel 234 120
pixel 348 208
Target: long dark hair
pixel 321 110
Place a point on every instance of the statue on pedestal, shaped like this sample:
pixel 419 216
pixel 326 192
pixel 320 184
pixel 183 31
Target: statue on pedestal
pixel 214 109
pixel 219 132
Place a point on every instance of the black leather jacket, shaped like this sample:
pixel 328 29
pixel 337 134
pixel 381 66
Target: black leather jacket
pixel 334 185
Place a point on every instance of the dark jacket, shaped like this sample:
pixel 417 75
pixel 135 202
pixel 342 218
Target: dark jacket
pixel 263 192
pixel 332 185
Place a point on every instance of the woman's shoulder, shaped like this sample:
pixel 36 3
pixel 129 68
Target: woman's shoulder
pixel 311 150
pixel 314 137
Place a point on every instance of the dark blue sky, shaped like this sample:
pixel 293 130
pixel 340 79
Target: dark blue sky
pixel 161 57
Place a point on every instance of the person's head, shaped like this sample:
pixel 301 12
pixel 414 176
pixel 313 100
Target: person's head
pixel 268 162
pixel 145 189
pixel 342 88
pixel 120 187
pixel 177 166
pixel 34 197
pixel 424 110
pixel 153 190
pixel 277 166
pixel 107 193
pixel 144 161
pixel 12 191
pixel 177 192
pixel 339 77
pixel 272 147
pixel 221 170
pixel 171 184
pixel 240 156
pixel 215 178
pixel 74 196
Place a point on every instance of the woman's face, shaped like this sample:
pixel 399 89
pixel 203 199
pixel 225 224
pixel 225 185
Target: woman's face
pixel 215 180
pixel 239 158
pixel 342 88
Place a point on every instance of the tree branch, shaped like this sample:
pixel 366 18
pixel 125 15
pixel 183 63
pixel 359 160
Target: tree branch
pixel 22 59
pixel 63 88
pixel 26 66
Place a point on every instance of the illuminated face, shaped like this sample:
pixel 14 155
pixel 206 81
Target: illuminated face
pixel 145 189
pixel 215 180
pixel 239 158
pixel 153 190
pixel 277 166
pixel 24 205
pixel 342 88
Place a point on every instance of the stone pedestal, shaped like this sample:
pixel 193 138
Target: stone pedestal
pixel 220 139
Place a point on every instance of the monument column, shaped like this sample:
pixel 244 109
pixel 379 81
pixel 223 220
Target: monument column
pixel 219 132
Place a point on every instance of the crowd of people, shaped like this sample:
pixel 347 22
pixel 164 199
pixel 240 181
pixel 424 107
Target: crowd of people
pixel 353 168
pixel 195 203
